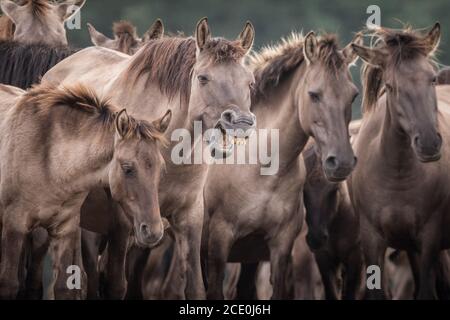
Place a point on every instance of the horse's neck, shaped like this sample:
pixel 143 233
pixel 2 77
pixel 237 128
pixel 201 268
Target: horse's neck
pixel 82 164
pixel 279 110
pixel 395 147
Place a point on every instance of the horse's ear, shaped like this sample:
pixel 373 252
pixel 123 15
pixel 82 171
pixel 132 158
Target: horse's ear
pixel 10 9
pixel 68 9
pixel 247 36
pixel 434 37
pixel 310 47
pixel 97 37
pixel 122 123
pixel 348 52
pixel 163 123
pixel 373 56
pixel 202 33
pixel 156 31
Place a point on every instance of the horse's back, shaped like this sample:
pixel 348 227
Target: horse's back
pixel 95 66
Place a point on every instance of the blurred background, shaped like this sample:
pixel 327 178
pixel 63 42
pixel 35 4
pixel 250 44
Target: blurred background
pixel 272 18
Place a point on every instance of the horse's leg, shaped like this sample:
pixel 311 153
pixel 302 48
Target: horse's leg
pixel 14 234
pixel 280 246
pixel 428 259
pixel 137 260
pixel 187 226
pixel 90 247
pixel 328 273
pixel 413 258
pixel 219 245
pixel 353 274
pixel 246 286
pixel 374 248
pixel 39 247
pixel 118 236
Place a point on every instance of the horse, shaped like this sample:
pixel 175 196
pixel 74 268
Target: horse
pixel 58 143
pixel 303 88
pixel 333 231
pixel 34 39
pixel 200 78
pixel 40 20
pixel 126 39
pixel 400 190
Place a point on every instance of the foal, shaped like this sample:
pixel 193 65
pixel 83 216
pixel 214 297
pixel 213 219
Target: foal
pixel 57 144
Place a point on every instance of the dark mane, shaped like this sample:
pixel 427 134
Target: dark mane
pixel 23 65
pixel 313 166
pixel 126 34
pixel 169 62
pixel 124 27
pixel 39 8
pixel 274 63
pixel 401 45
pixel 99 111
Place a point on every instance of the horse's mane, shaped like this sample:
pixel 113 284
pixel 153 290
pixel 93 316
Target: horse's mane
pixel 313 166
pixel 39 8
pixel 274 63
pixel 126 34
pixel 169 62
pixel 7 28
pixel 123 27
pixel 401 45
pixel 23 65
pixel 99 111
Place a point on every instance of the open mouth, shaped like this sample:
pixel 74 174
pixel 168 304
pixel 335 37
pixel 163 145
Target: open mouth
pixel 222 141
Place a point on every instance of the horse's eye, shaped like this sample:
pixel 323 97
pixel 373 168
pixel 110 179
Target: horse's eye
pixel 128 169
pixel 203 79
pixel 434 81
pixel 315 97
pixel 389 87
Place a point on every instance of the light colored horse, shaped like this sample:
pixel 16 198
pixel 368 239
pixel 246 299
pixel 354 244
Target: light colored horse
pixel 201 78
pixel 56 144
pixel 126 39
pixel 303 88
pixel 40 21
pixel 401 189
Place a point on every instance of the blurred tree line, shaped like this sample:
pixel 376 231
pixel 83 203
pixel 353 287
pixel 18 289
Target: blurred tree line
pixel 272 18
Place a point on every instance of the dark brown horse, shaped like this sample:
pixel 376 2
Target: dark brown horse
pixel 333 231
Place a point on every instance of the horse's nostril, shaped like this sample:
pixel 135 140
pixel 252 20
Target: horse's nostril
pixel 145 230
pixel 355 161
pixel 416 141
pixel 331 163
pixel 439 140
pixel 228 116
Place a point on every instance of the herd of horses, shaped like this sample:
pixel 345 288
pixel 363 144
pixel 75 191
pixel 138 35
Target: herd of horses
pixel 87 179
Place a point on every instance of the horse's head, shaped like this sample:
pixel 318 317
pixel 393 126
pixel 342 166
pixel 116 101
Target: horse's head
pixel 400 62
pixel 325 102
pixel 135 171
pixel 221 84
pixel 126 39
pixel 39 20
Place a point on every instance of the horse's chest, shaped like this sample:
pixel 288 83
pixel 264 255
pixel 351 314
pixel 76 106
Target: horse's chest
pixel 399 224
